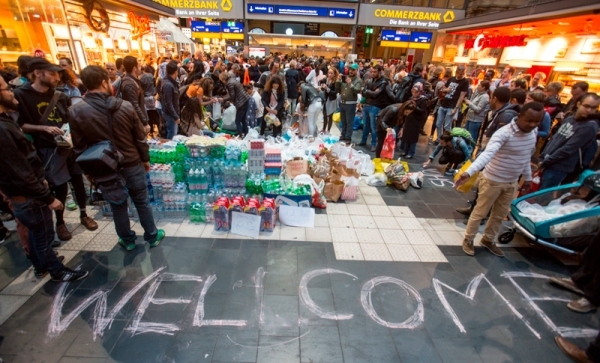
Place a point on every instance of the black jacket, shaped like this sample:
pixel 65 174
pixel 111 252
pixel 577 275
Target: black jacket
pixel 266 99
pixel 375 92
pixel 89 126
pixel 292 78
pixel 501 117
pixel 254 73
pixel 131 90
pixel 22 171
pixel 169 97
pixel 387 118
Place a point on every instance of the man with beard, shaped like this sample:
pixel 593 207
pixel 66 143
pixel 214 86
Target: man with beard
pixel 34 98
pixel 101 117
pixel 22 181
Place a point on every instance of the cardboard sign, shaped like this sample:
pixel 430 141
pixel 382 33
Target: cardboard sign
pixel 245 224
pixel 293 168
pixel 297 216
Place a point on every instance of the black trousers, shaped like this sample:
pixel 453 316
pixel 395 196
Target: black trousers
pixel 452 157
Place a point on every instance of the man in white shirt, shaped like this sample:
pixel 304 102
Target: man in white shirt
pixel 505 159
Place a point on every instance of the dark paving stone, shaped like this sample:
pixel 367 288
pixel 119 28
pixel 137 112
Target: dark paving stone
pixel 193 347
pixel 420 209
pixel 276 349
pixel 395 201
pixel 432 197
pixel 320 344
pixel 236 345
pixel 227 244
pixel 446 211
pixel 142 348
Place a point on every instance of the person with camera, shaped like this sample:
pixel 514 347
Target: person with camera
pixel 43 115
pixel 22 181
pixel 101 117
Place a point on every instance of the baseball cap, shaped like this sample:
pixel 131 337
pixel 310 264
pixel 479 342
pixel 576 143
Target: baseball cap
pixel 42 64
pixel 354 66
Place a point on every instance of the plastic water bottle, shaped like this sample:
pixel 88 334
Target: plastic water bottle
pixel 202 182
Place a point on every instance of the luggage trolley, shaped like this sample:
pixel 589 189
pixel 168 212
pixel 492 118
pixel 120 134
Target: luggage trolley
pixel 551 232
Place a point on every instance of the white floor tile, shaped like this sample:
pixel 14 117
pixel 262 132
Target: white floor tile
pixel 9 304
pixel 359 210
pixel 436 238
pixel 343 235
pixel 318 234
pixel 440 224
pixel 404 253
pixel 189 229
pixel 394 237
pixel 169 226
pixel 374 200
pixel 380 210
pixel 401 211
pixel 360 199
pixel 368 190
pixel 209 232
pixel 348 251
pixel 337 208
pixel 364 222
pixel 339 221
pixel 105 242
pixel 293 233
pixel 387 223
pixel 368 235
pixel 321 220
pixel 416 237
pixel 425 224
pixel 409 223
pixel 451 238
pixel 430 253
pixel 376 252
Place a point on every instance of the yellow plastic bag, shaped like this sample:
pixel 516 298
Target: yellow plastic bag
pixel 378 166
pixel 468 185
pixel 336 117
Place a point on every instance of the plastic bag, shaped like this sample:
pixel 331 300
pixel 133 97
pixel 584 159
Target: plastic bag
pixel 216 111
pixel 350 188
pixel 389 145
pixel 416 179
pixel 377 180
pixel 468 185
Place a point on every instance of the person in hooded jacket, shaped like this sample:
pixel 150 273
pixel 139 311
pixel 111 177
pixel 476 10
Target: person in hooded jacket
pixel 503 112
pixel 409 135
pixel 391 117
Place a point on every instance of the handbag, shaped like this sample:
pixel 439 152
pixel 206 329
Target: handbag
pixel 102 160
pixel 61 140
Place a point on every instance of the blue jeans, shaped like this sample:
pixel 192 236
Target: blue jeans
pixel 552 178
pixel 369 116
pixel 409 149
pixel 37 217
pixel 172 127
pixel 135 183
pixel 473 128
pixel 444 120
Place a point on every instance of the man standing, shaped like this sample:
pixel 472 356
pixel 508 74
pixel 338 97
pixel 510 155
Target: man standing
pixel 111 68
pixel 22 181
pixel 505 159
pixel 375 93
pixel 348 99
pixel 578 90
pixel 503 112
pixel 169 98
pixel 455 91
pixel 567 147
pixel 536 82
pixel 507 75
pixel 130 89
pixel 292 79
pixel 102 117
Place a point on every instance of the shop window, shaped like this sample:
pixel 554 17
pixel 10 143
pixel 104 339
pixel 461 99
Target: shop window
pixel 329 34
pixel 257 31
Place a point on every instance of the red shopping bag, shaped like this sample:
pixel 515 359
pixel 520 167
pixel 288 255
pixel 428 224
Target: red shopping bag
pixel 536 182
pixel 389 145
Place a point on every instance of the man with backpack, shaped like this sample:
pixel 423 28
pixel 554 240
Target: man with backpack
pixel 130 89
pixel 455 151
pixel 403 92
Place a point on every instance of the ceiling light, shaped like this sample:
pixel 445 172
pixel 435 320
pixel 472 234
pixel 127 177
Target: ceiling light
pixel 462 60
pixel 487 61
pixel 568 66
pixel 563 23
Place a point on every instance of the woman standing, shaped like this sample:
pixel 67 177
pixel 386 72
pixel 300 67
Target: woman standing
pixel 409 134
pixel 195 72
pixel 68 85
pixel 331 88
pixel 315 75
pixel 389 118
pixel 273 98
pixel 479 105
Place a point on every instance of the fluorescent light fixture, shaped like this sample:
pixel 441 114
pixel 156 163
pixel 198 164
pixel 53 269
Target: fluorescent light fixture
pixel 107 42
pixel 462 60
pixel 520 63
pixel 568 66
pixel 487 61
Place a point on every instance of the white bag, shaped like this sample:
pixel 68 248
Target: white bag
pixel 416 179
pixel 216 111
pixel 377 180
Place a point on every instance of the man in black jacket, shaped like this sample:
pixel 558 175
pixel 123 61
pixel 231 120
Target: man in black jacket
pixel 130 89
pixel 375 93
pixel 90 125
pixel 292 79
pixel 22 181
pixel 169 98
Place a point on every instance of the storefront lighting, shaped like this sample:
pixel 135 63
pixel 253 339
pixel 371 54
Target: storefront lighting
pixel 135 45
pixel 487 61
pixel 462 60
pixel 525 28
pixel 520 63
pixel 568 66
pixel 89 42
pixel 107 42
pixel 145 45
pixel 122 44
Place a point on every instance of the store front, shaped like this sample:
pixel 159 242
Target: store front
pixel 400 32
pixel 566 48
pixel 304 28
pixel 93 32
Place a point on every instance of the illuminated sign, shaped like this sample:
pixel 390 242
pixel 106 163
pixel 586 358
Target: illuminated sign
pixel 500 41
pixel 395 35
pixel 228 9
pixel 294 10
pixel 420 37
pixel 206 27
pixel 406 16
pixel 140 25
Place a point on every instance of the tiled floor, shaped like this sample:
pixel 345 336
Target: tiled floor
pixel 378 279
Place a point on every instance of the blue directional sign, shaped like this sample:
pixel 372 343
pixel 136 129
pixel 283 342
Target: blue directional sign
pixel 395 35
pixel 341 13
pixel 206 27
pixel 261 9
pixel 232 27
pixel 300 10
pixel 420 37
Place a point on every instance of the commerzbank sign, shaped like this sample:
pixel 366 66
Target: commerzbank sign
pixel 406 16
pixel 218 9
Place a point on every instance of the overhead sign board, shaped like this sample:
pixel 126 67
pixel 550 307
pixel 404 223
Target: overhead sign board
pixel 214 9
pixel 420 37
pixel 341 13
pixel 232 27
pixel 325 12
pixel 395 35
pixel 261 9
pixel 206 27
pixel 406 16
pixel 300 10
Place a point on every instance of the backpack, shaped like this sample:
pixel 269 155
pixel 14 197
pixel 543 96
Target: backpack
pixel 464 134
pixel 291 81
pixel 403 91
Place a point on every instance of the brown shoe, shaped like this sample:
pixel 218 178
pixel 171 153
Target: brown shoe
pixel 566 283
pixel 582 305
pixel 492 247
pixel 465 211
pixel 89 223
pixel 468 247
pixel 63 233
pixel 572 351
